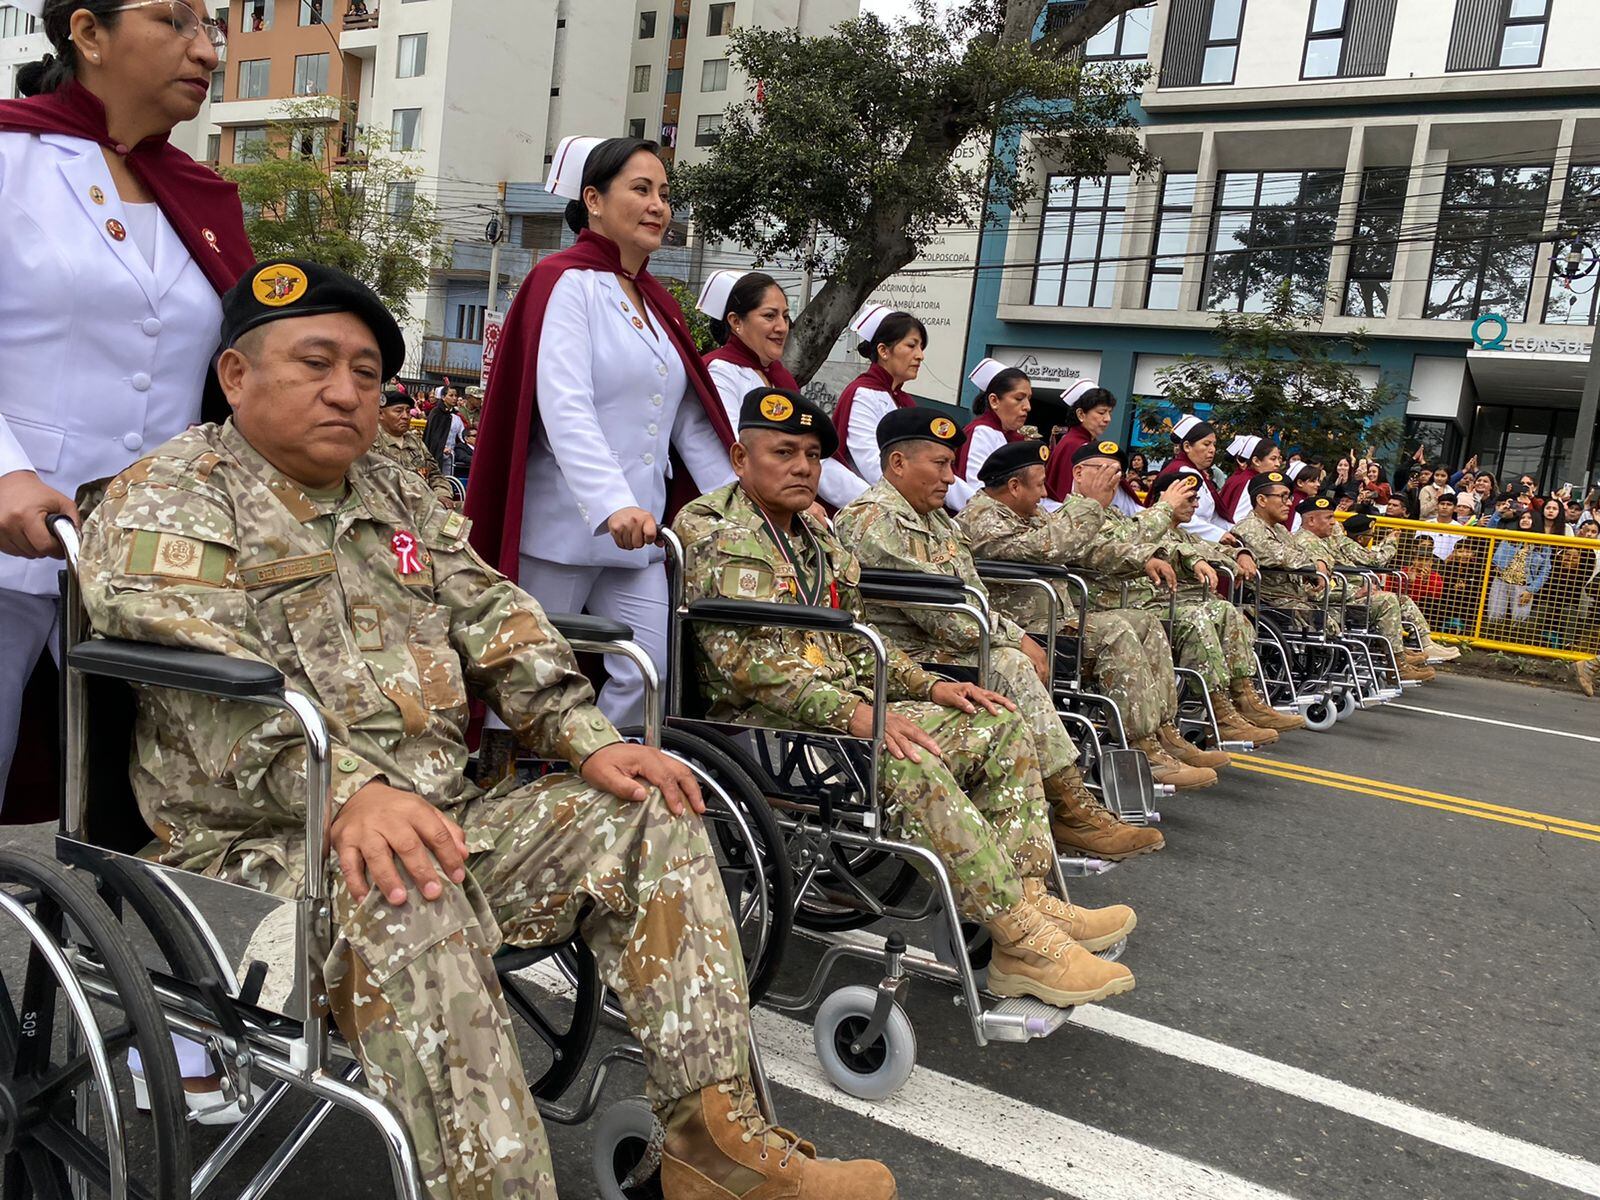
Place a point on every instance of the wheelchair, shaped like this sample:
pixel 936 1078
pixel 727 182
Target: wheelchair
pixel 849 873
pixel 122 952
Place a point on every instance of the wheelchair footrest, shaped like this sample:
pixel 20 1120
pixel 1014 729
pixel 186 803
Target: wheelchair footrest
pixel 1239 747
pixel 1022 1019
pixel 1077 867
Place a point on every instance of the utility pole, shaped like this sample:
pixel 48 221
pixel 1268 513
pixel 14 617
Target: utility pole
pixel 1588 415
pixel 495 233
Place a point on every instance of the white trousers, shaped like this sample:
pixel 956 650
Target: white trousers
pixel 637 598
pixel 29 623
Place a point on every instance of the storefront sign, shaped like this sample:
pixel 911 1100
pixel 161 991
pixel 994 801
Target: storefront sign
pixel 1050 368
pixel 1490 332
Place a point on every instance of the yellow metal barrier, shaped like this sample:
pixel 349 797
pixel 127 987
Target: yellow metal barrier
pixel 1500 589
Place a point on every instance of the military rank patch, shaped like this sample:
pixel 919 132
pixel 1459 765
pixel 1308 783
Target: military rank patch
pixel 368 622
pixel 454 526
pixel 170 556
pixel 814 655
pixel 746 582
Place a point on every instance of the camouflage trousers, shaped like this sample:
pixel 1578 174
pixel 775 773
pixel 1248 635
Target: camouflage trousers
pixel 1410 612
pixel 1211 636
pixel 1012 675
pixel 414 988
pixel 1384 616
pixel 1127 651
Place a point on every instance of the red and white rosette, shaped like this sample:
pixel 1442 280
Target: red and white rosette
pixel 404 546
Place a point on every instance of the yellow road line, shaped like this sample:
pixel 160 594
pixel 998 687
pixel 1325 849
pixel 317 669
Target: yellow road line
pixel 1541 822
pixel 1401 788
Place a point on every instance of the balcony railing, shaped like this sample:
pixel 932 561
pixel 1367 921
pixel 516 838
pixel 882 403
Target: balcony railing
pixel 361 16
pixel 452 356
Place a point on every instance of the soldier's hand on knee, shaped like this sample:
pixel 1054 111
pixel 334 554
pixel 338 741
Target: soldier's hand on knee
pixel 969 697
pixel 902 738
pixel 381 824
pixel 1035 653
pixel 1159 571
pixel 628 771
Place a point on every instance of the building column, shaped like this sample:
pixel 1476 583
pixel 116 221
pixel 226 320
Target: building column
pixel 1344 227
pixel 1424 196
pixel 1539 289
pixel 1191 291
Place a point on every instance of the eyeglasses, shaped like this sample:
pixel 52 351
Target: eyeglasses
pixel 184 20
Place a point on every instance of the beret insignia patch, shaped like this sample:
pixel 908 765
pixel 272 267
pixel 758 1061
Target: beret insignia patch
pixel 943 428
pixel 279 285
pixel 777 408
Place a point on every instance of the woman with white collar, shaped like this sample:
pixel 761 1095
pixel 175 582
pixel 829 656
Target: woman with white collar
pixel 750 320
pixel 597 388
pixel 1254 456
pixel 1194 444
pixel 1005 398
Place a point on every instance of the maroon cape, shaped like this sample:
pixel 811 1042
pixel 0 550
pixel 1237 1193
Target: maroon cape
pixel 1232 488
pixel 876 378
pixel 1058 479
pixel 1180 459
pixel 500 462
pixel 987 421
pixel 740 355
pixel 202 207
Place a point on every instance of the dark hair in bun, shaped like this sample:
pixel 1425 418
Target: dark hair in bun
pixel 999 386
pixel 743 300
pixel 892 330
pixel 604 164
pixel 55 71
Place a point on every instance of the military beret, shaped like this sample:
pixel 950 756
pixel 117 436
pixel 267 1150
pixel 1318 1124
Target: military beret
pixel 1170 475
pixel 292 287
pixel 784 411
pixel 1318 504
pixel 1358 524
pixel 1108 450
pixel 1011 459
pixel 1267 479
pixel 918 425
pixel 393 397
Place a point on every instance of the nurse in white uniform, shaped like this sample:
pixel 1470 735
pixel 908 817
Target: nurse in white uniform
pixel 1005 398
pixel 1195 445
pixel 749 314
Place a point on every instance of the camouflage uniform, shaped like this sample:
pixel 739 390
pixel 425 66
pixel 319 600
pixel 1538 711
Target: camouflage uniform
pixel 371 602
pixel 1336 550
pixel 409 451
pixel 1126 648
pixel 980 808
pixel 885 533
pixel 1274 546
pixel 1379 556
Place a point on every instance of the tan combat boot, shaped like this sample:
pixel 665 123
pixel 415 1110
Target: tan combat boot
pixel 1092 928
pixel 1258 712
pixel 1235 727
pixel 1437 653
pixel 1080 824
pixel 1185 751
pixel 1586 672
pixel 720 1147
pixel 1409 672
pixel 1169 771
pixel 1034 957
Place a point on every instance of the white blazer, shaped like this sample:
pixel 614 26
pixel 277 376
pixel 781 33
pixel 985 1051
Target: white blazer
pixel 1205 522
pixel 103 356
pixel 982 442
pixel 861 440
pixel 839 485
pixel 613 399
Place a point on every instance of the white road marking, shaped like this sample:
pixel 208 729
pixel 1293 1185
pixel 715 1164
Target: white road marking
pixel 1439 712
pixel 1461 1136
pixel 1051 1150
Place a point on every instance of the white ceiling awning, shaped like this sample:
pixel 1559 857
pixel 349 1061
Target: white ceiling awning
pixel 1547 374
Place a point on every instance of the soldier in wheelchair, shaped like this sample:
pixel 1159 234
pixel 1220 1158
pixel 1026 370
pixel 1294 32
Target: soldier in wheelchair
pixel 276 537
pixel 900 524
pixel 397 440
pixel 960 774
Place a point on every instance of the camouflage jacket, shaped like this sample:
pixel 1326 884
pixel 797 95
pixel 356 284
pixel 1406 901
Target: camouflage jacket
pixel 1185 551
pixel 1342 549
pixel 409 451
pixel 370 602
pixel 1118 554
pixel 887 534
pixel 810 679
pixel 1061 539
pixel 1275 546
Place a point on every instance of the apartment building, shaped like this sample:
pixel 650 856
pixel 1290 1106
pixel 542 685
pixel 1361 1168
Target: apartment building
pixel 1396 161
pixel 22 41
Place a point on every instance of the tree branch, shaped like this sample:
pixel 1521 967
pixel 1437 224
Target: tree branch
pixel 1091 19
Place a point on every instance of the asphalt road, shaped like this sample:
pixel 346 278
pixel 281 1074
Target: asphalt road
pixel 1368 966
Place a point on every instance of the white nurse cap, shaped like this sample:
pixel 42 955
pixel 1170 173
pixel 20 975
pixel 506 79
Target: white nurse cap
pixel 1247 446
pixel 983 374
pixel 714 295
pixel 871 316
pixel 1182 426
pixel 566 167
pixel 1077 389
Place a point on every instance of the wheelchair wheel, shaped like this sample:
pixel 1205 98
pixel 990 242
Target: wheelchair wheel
pixel 1347 705
pixel 1320 716
pixel 566 1041
pixel 65 1090
pixel 622 1136
pixel 875 1071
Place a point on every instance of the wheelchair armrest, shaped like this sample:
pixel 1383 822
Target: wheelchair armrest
pixel 186 670
pixel 918 597
pixel 1308 572
pixel 764 612
pixel 579 627
pixel 994 568
pixel 879 584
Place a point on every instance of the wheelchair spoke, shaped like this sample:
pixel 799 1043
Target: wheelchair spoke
pixel 77 1153
pixel 46 1178
pixel 8 1032
pixel 59 1083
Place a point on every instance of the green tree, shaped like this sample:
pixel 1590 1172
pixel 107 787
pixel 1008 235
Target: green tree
pixel 1276 372
pixel 351 206
pixel 859 145
pixel 687 298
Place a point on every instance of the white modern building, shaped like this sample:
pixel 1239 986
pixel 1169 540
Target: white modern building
pixel 1397 161
pixel 22 41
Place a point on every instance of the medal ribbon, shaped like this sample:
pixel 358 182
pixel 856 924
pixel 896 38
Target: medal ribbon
pixel 807 592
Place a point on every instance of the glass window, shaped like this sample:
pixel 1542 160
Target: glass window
pixel 719 20
pixel 1271 228
pixel 310 143
pixel 311 75
pixel 714 75
pixel 680 26
pixel 1522 39
pixel 1221 53
pixel 249 143
pixel 1083 224
pixel 16 23
pixel 1172 240
pixel 674 80
pixel 413 55
pixel 1575 266
pixel 1128 37
pixel 641 78
pixel 1483 256
pixel 258 15
pixel 402 198
pixel 213 147
pixel 253 78
pixel 311 12
pixel 1377 237
pixel 1225 18
pixel 636 127
pixel 647 25
pixel 707 129
pixel 217 77
pixel 404 128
